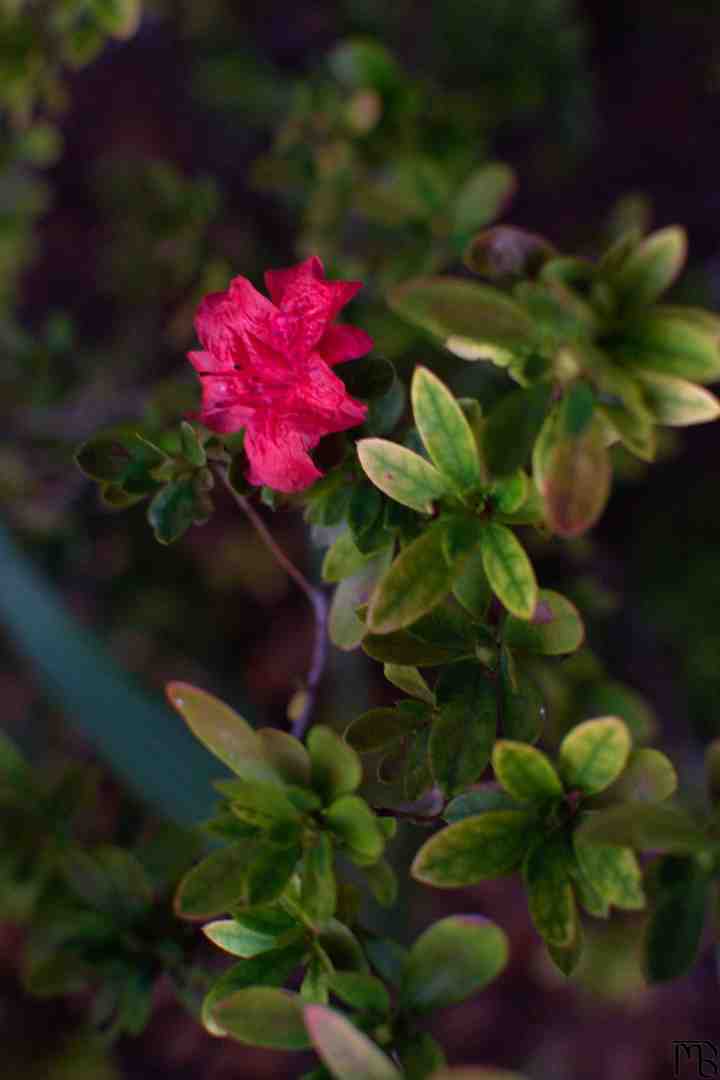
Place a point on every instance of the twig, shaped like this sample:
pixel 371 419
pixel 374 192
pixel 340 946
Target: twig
pixel 314 595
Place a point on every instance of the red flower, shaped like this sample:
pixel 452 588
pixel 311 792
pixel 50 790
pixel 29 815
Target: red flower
pixel 266 368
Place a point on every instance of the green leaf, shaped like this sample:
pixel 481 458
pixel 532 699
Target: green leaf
pixel 319 891
pixel 510 492
pixel 525 772
pixel 409 679
pixel 121 456
pixel 513 426
pixel 401 474
pixel 364 993
pixel 677 402
pixel 379 728
pixel 342 947
pixel 482 198
pixel 648 777
pixel 405 648
pixel 613 872
pixel 268 969
pixel 712 772
pixel 347 1052
pixel 286 754
pixel 471 587
pixel 594 753
pixel 452 959
pixel 216 884
pixel 576 482
pixel 522 703
pixel 354 823
pixel 221 730
pixel 550 894
pixel 420 1055
pixel 445 431
pixel 509 570
pixel 253 933
pixel 555 630
pixel 109 879
pixel 462 736
pixel 481 321
pixel 365 518
pixel 192 448
pixel 381 878
pixel 674 931
pixel 670 345
pixel 336 768
pixel 263 1016
pixel 651 267
pixel 419 579
pixel 646 827
pixel 258 804
pixel 269 872
pixel 387 957
pixel 472 850
pixel 476 801
pixel 174 509
pixel 345 629
pixel 343 559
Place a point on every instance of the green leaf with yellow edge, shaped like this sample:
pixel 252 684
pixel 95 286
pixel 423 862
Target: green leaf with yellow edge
pixel 550 894
pixel 508 569
pixel 454 958
pixel 402 474
pixel 451 308
pixel 409 679
pixel 648 777
pixel 221 730
pixel 677 402
pixel 651 267
pixel 344 1050
pixel 576 482
pixel 419 579
pixel 403 648
pixel 268 969
pixel 342 559
pixel 613 872
pixel 669 345
pixel 254 932
pixel 258 804
pixel 525 772
pixel 216 884
pixel 567 959
pixel 336 768
pixel 269 872
pixel 593 754
pixel 486 846
pixel 512 427
pixel 353 822
pixel 445 431
pixel 263 1016
pixel 555 630
pixel 481 199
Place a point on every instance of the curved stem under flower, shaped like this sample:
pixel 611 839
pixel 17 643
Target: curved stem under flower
pixel 314 595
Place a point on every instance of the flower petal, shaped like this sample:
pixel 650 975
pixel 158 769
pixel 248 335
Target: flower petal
pixel 225 407
pixel 341 343
pixel 321 400
pixel 278 455
pixel 307 303
pixel 231 324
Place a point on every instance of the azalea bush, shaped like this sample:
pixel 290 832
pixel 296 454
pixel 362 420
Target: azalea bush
pixel 430 522
pixel 447 401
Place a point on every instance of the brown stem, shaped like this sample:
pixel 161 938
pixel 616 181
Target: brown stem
pixel 314 595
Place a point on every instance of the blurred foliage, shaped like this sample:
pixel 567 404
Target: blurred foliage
pixel 379 149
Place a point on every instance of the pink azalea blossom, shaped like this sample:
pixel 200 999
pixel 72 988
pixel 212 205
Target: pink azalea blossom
pixel 265 367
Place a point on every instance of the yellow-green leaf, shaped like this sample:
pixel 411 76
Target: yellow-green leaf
pixel 402 474
pixel 445 431
pixel 594 753
pixel 677 402
pixel 508 569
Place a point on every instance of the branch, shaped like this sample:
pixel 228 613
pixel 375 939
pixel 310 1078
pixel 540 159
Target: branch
pixel 314 595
